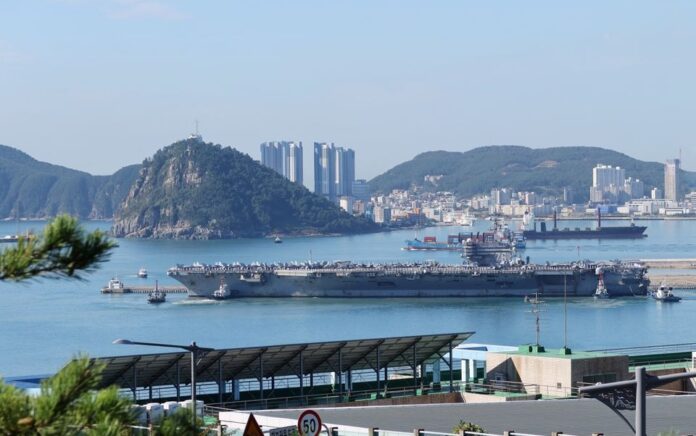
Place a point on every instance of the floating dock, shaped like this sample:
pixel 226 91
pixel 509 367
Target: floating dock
pixel 144 290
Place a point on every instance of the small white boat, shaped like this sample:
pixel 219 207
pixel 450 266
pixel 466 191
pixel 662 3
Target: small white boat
pixel 277 240
pixel 221 293
pixel 664 293
pixel 9 239
pixel 601 292
pixel 156 296
pixel 142 273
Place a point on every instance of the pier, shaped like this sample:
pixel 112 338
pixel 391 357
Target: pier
pixel 670 263
pixel 126 289
pixel 675 281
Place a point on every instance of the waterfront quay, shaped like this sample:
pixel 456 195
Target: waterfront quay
pixel 670 263
pixel 686 282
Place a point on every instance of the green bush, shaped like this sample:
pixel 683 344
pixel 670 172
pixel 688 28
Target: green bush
pixel 467 426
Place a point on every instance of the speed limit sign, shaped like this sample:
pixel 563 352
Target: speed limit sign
pixel 309 423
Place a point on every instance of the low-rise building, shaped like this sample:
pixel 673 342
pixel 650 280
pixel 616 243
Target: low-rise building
pixel 555 371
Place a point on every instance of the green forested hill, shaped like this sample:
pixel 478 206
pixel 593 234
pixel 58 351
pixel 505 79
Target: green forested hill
pixel 195 190
pixel 35 189
pixel 544 170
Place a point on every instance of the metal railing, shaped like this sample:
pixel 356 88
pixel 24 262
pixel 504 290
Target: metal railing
pixel 649 349
pixel 416 432
pixel 508 387
pixel 326 398
pixel 665 363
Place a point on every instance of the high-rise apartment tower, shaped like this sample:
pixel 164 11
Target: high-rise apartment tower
pixel 334 170
pixel 672 179
pixel 285 158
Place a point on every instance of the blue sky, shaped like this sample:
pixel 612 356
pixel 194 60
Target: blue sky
pixel 98 84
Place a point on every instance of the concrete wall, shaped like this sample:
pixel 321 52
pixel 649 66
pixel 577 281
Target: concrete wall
pixel 555 376
pixel 474 398
pixel 617 365
pixel 453 397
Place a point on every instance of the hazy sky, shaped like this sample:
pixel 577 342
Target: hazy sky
pixel 98 84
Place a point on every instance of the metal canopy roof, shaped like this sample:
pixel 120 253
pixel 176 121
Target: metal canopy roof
pixel 159 369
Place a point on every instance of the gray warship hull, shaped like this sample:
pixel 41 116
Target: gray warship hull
pixel 418 281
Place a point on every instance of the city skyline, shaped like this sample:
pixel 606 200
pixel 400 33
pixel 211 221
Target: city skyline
pixel 453 82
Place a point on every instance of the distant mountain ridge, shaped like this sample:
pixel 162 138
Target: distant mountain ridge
pixel 34 189
pixel 543 170
pixel 196 190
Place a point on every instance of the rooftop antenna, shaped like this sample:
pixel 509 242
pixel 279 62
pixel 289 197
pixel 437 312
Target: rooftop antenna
pixel 565 312
pixel 536 310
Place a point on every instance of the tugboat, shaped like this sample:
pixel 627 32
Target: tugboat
pixel 156 296
pixel 601 292
pixel 142 273
pixel 664 293
pixel 533 300
pixel 277 240
pixel 221 293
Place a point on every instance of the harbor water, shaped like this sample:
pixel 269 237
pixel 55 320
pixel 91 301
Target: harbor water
pixel 45 322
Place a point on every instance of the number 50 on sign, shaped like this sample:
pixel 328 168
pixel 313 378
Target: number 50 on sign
pixel 309 423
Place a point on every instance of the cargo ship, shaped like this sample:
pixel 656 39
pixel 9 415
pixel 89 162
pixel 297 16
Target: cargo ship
pixel 614 232
pixel 429 279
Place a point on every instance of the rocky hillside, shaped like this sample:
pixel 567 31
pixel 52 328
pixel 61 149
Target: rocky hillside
pixel 33 189
pixel 194 190
pixel 544 170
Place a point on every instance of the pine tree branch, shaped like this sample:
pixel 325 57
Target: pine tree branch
pixel 63 250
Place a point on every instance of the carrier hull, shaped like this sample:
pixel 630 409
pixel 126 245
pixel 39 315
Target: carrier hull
pixel 380 282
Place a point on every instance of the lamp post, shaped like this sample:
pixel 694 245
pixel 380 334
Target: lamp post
pixel 194 349
pixel 631 393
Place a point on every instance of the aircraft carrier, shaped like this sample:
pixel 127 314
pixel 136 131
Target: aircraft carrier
pixel 430 279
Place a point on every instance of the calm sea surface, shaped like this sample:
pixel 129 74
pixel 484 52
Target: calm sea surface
pixel 44 323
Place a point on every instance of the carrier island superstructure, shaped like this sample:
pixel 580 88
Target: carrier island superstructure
pixel 428 279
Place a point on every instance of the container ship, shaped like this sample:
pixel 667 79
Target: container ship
pixel 498 238
pixel 430 243
pixel 615 232
pixel 429 279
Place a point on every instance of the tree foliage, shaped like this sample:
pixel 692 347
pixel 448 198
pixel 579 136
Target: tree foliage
pixel 71 404
pixel 68 404
pixel 543 170
pixel 64 249
pixel 30 188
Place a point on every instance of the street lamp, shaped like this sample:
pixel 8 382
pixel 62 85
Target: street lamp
pixel 194 349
